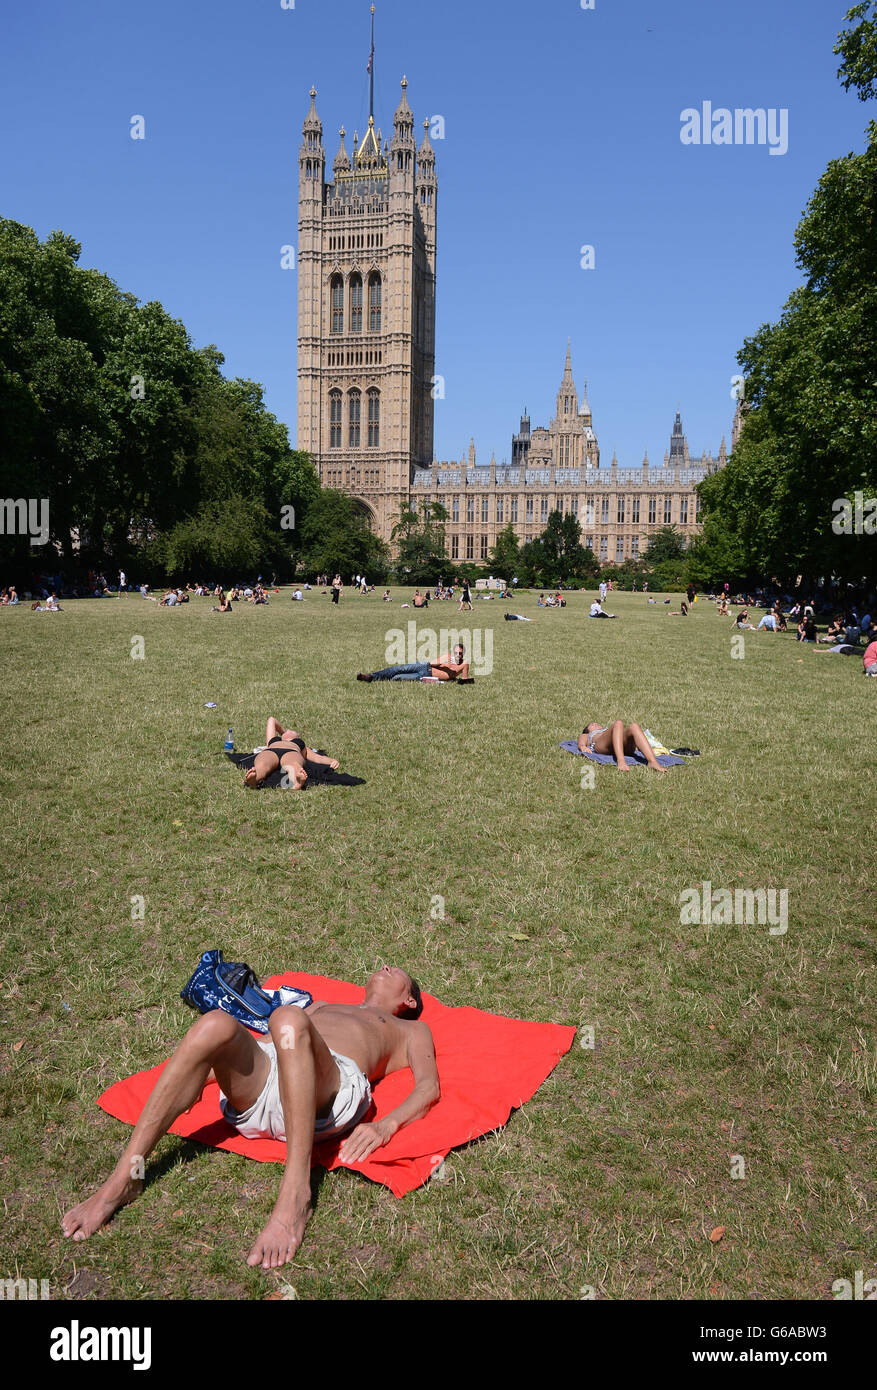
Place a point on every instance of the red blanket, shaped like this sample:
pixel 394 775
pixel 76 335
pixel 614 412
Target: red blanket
pixel 487 1066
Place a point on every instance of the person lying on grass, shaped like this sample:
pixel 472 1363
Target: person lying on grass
pixel 310 1081
pixel 620 741
pixel 450 667
pixel 285 749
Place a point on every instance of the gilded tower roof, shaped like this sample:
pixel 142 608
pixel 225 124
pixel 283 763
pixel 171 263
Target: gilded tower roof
pixel 369 153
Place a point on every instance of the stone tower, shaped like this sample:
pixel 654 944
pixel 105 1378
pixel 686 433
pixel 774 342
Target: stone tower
pixel 366 345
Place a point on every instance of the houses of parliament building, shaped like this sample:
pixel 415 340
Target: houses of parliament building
pixel 366 373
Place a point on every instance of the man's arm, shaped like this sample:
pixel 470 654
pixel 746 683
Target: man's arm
pixel 420 1058
pixel 459 668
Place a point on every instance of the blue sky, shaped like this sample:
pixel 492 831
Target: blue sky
pixel 562 128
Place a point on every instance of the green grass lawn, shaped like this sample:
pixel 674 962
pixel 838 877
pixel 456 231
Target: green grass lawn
pixel 562 903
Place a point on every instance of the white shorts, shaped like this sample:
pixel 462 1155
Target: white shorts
pixel 264 1118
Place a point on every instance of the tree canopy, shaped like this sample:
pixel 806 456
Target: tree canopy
pixel 143 448
pixel 809 437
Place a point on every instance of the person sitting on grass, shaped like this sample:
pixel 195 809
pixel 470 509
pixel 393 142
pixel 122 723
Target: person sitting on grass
pixel 450 667
pixel 309 1081
pixel 420 600
pixel 285 749
pixel 869 658
pixel 597 610
pixel 224 602
pixel 807 631
pixel 52 605
pixel 769 623
pixel 834 631
pixel 619 741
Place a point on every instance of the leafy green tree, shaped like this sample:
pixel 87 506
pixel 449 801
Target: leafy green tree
pixel 858 48
pixel 505 555
pixel 809 439
pixel 54 427
pixel 335 537
pixel 665 544
pixel 579 561
pixel 225 538
pixel 419 537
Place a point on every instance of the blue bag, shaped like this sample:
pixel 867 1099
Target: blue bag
pixel 235 988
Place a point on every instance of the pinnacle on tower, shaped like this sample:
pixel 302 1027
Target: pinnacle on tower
pixel 312 122
pixel 677 439
pixel 403 111
pixel 342 159
pixel 567 366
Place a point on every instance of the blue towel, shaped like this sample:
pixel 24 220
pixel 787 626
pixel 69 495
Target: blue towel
pixel 633 760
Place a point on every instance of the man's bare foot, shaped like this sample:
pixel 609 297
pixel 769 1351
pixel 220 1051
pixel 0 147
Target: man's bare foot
pixel 624 766
pixel 250 778
pixel 277 1243
pixel 82 1221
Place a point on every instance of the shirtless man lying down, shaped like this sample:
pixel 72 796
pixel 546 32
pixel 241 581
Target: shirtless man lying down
pixel 308 1081
pixel 447 668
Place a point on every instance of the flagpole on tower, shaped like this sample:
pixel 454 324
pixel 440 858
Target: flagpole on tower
pixel 371 71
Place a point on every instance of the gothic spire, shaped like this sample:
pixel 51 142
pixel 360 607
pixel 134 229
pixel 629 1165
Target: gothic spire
pixel 567 369
pixel 312 123
pixel 403 121
pixel 677 439
pixel 342 158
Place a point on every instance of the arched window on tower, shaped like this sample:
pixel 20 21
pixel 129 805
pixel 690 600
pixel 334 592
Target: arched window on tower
pixel 374 302
pixel 356 303
pixel 337 295
pixel 374 419
pixel 354 411
pixel 334 419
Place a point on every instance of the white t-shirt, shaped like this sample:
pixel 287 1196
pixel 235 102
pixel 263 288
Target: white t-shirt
pixel 596 610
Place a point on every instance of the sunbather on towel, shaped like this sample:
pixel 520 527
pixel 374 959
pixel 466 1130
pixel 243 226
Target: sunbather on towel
pixel 310 1082
pixel 448 668
pixel 285 749
pixel 616 739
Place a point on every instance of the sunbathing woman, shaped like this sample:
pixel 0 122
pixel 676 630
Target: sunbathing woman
pixel 616 739
pixel 285 749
